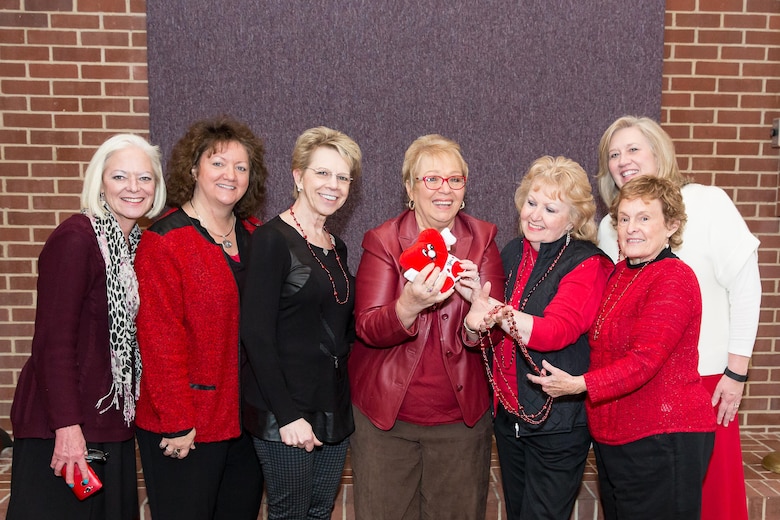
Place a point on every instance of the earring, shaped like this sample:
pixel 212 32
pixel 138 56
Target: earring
pixel 568 236
pixel 410 204
pixel 462 204
pixel 102 197
pixel 300 189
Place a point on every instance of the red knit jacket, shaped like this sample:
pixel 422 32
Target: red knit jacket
pixel 187 333
pixel 643 378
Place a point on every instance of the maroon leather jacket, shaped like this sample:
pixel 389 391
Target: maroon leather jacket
pixel 386 354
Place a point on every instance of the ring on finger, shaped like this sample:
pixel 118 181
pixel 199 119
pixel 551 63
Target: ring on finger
pixel 176 452
pixel 429 289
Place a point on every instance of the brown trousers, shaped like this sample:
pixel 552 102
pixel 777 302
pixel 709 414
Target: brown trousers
pixel 413 472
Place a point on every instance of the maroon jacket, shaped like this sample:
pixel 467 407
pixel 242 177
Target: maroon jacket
pixel 70 366
pixel 385 356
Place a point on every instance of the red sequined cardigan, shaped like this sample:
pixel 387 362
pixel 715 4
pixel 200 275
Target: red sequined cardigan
pixel 643 379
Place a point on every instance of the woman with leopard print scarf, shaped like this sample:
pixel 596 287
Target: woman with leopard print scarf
pixel 75 400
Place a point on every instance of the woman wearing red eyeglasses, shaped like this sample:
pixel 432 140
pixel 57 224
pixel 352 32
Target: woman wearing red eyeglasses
pixel 421 447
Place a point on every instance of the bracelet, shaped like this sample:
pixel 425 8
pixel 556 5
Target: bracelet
pixel 469 329
pixel 733 375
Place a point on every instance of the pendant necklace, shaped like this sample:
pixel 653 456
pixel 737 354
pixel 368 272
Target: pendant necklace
pixel 226 243
pixel 338 259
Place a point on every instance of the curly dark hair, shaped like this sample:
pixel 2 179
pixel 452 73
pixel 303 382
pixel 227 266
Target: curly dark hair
pixel 209 136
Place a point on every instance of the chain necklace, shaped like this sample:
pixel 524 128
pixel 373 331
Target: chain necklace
pixel 338 259
pixel 505 312
pixel 604 312
pixel 227 244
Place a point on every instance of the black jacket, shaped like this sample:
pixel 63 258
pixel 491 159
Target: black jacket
pixel 567 412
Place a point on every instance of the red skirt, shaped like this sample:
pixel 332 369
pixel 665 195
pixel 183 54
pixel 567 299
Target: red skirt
pixel 723 494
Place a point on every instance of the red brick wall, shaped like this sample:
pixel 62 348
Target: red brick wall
pixel 720 93
pixel 73 72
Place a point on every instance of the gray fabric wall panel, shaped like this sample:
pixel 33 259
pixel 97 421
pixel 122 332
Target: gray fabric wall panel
pixel 510 81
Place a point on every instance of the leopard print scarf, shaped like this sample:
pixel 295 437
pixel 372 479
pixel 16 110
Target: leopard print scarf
pixel 123 301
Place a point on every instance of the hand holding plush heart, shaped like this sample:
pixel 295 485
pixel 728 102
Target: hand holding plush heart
pixel 431 247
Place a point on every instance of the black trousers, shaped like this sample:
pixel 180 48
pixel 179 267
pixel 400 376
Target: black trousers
pixel 216 481
pixel 36 493
pixel 541 474
pixel 656 477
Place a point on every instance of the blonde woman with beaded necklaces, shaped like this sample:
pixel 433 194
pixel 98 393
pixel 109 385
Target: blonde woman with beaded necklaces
pixel 297 328
pixel 556 277
pixel 723 253
pixel 648 411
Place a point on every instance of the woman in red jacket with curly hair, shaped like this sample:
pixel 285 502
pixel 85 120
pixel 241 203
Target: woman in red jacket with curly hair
pixel 191 267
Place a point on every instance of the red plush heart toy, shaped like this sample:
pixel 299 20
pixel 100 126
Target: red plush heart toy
pixel 431 246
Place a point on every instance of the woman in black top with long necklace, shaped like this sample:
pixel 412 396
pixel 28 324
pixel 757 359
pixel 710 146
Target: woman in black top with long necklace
pixel 297 328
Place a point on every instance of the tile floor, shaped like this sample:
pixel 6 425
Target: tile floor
pixel 763 487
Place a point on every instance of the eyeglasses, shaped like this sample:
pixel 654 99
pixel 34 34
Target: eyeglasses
pixel 324 174
pixel 94 455
pixel 434 182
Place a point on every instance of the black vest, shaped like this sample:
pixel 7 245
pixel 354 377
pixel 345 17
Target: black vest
pixel 567 412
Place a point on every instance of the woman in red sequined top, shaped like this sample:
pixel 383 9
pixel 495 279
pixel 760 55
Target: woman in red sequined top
pixel 649 414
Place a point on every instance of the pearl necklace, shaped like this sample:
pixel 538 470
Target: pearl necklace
pixel 603 313
pixel 227 244
pixel 338 259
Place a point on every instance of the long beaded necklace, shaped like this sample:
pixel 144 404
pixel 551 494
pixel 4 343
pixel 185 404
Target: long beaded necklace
pixel 516 291
pixel 227 244
pixel 338 259
pixel 603 313
pixel 501 312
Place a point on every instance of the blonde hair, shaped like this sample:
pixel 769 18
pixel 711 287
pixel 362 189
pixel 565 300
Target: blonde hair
pixel 570 184
pixel 660 144
pixel 93 177
pixel 320 136
pixel 431 145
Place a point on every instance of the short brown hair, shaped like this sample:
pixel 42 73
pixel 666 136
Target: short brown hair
pixel 649 188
